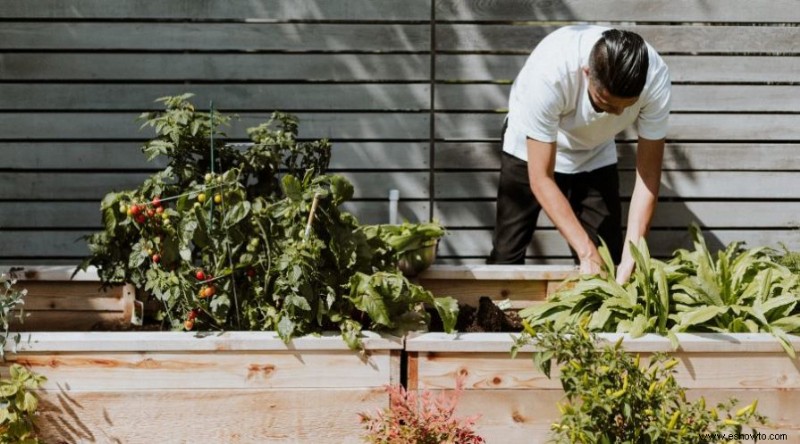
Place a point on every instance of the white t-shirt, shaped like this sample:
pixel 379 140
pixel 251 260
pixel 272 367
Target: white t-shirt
pixel 549 102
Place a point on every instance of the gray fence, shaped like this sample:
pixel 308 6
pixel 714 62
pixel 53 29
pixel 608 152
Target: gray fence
pixel 411 93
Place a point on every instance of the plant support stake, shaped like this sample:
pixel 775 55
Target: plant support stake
pixel 311 216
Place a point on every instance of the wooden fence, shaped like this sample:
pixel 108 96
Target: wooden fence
pixel 412 94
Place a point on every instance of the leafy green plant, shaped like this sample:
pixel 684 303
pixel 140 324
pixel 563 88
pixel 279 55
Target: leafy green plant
pixel 738 290
pixel 250 239
pixel 11 300
pixel 18 406
pixel 612 397
pixel 420 419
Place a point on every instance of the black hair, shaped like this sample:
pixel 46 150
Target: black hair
pixel 619 63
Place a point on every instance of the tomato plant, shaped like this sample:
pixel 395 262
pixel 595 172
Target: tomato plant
pixel 227 238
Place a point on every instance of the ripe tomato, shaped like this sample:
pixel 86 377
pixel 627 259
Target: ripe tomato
pixel 151 212
pixel 156 258
pixel 135 210
pixel 156 201
pixel 188 324
pixel 159 210
pixel 200 275
pixel 193 314
pixel 209 291
pixel 140 219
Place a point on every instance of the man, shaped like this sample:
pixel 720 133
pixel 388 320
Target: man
pixel 580 87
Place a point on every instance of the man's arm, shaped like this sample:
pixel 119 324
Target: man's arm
pixel 649 158
pixel 541 171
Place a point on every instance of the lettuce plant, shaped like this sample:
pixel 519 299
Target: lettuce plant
pixel 737 290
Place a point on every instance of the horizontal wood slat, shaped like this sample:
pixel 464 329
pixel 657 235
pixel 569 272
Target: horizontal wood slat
pixel 216 36
pixel 667 215
pixel 685 98
pixel 242 97
pixel 221 370
pixel 682 68
pixel 118 156
pixel 468 242
pixel 722 127
pixel 662 243
pixel 677 156
pixel 621 10
pixel 522 38
pixel 214 10
pixel 215 67
pixel 207 415
pixel 96 125
pixel 680 184
pixel 53 215
pixel 72 186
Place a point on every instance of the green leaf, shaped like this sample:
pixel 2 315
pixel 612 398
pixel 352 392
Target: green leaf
pixel 238 211
pixel 447 308
pixel 8 389
pixel 292 188
pixel 700 316
pixel 29 403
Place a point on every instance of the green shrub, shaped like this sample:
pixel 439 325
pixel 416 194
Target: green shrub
pixel 612 397
pixel 252 239
pixel 18 406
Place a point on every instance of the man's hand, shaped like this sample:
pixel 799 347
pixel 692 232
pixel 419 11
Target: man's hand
pixel 625 269
pixel 591 263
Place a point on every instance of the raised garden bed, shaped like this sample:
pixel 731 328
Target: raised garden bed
pixel 188 387
pixel 517 403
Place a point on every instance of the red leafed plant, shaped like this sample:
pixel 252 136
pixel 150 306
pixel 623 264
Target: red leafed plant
pixel 420 419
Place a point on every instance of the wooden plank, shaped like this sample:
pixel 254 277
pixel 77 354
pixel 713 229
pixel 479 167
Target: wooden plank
pixel 209 415
pixel 693 98
pixel 498 272
pixel 547 243
pixel 118 156
pixel 227 98
pixel 517 294
pixel 264 10
pixel 476 214
pixel 780 11
pixel 120 372
pixel 69 321
pixel 683 68
pixel 677 156
pixel 184 342
pixel 281 37
pixel 523 37
pixel 680 184
pixel 692 127
pixel 690 343
pixel 695 371
pixel 123 125
pixel 67 295
pixel 79 185
pixel 526 415
pixel 218 67
pixel 72 214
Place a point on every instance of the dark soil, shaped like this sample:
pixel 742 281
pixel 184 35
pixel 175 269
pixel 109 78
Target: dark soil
pixel 486 318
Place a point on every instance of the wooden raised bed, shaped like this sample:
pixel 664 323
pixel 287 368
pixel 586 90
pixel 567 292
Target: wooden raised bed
pixel 517 403
pixel 58 302
pixel 520 285
pixel 145 386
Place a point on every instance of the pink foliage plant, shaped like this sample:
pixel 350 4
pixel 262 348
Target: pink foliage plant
pixel 420 418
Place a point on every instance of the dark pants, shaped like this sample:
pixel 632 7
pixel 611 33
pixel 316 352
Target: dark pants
pixel 593 196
